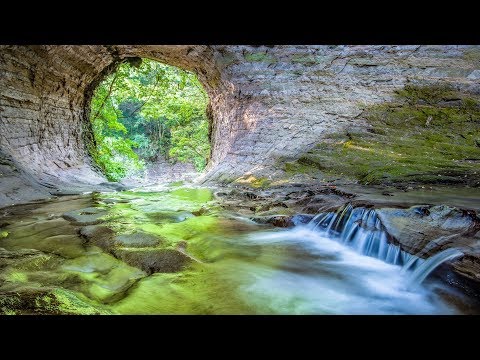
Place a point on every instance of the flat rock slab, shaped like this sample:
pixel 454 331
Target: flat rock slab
pixel 417 226
pixel 20 253
pixel 87 216
pixel 170 216
pixel 105 238
pixel 155 260
pixel 137 239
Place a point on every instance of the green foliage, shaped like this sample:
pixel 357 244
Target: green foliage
pixel 140 113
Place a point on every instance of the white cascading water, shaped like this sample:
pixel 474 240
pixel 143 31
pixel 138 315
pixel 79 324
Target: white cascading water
pixel 422 271
pixel 339 263
pixel 361 229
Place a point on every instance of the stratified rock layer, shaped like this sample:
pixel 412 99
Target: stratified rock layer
pixel 266 103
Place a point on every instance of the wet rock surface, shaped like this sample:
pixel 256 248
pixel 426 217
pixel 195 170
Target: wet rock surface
pixel 288 199
pixel 417 226
pixel 155 260
pixel 137 239
pixel 154 245
pixel 87 216
pixel 45 301
pixel 100 235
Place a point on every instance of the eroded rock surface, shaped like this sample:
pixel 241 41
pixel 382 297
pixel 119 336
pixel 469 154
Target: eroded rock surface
pixel 417 226
pixel 266 102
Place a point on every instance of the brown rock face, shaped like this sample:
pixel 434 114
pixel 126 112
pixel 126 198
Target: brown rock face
pixel 265 102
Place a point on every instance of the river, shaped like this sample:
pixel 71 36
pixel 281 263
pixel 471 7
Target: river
pixel 212 261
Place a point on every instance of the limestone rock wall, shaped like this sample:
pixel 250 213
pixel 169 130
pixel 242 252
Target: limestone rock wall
pixel 267 102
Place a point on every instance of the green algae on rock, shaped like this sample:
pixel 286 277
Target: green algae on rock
pixel 431 137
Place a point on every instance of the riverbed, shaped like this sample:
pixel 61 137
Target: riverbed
pixel 175 250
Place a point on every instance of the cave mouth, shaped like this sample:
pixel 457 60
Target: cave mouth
pixel 149 120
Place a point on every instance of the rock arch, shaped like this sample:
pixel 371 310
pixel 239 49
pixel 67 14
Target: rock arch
pixel 266 102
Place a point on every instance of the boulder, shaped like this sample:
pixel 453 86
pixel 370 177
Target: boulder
pixel 417 226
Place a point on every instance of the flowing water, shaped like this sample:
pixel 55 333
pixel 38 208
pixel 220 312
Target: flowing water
pixel 338 263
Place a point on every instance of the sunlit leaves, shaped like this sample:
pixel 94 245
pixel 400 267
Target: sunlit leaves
pixel 156 108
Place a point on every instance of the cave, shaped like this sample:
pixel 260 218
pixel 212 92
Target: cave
pixel 333 147
pixel 266 103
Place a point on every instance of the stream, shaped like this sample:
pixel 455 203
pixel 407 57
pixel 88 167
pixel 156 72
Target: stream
pixel 175 250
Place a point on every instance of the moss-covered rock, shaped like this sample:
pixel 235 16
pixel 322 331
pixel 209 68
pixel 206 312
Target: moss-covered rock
pixel 137 239
pixel 155 260
pixel 431 137
pixel 47 301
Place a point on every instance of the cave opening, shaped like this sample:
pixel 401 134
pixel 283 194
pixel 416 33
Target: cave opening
pixel 148 120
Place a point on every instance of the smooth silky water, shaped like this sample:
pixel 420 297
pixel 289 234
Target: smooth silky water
pixel 337 264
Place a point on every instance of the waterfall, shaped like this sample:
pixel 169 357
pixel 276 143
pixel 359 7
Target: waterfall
pixel 423 270
pixel 361 230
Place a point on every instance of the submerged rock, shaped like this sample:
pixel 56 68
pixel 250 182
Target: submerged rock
pixel 169 216
pixel 137 239
pixel 87 216
pixel 101 276
pixel 105 238
pixel 155 260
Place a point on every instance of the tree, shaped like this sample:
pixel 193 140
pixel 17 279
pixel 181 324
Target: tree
pixel 138 114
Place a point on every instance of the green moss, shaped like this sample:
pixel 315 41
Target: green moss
pixel 16 277
pixel 261 183
pixel 185 230
pixel 254 182
pixel 430 94
pixel 198 196
pixel 73 303
pixel 420 141
pixel 207 290
pixel 3 234
pixel 304 59
pixel 472 55
pixel 48 301
pixel 260 57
